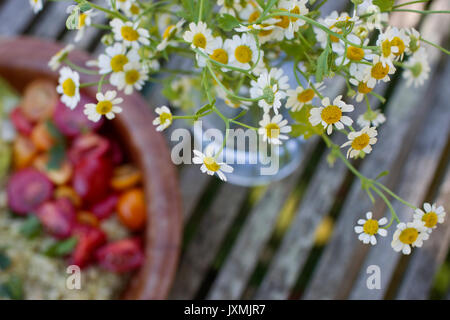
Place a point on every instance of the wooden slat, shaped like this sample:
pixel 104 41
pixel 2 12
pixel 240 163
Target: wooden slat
pixel 52 21
pixel 405 108
pixel 15 16
pixel 316 204
pixel 202 250
pixel 418 174
pixel 426 262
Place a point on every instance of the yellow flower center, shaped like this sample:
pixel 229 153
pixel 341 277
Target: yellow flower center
pixel 378 71
pixel 211 164
pixel 69 87
pixel 166 33
pixel 220 55
pixel 284 21
pixel 129 34
pixel 363 88
pixel 397 42
pixel 243 54
pixel 118 61
pixel 165 117
pixel 199 40
pixel 134 9
pixel 430 219
pixel 132 76
pixel 361 142
pixel 272 130
pixel 103 107
pixel 265 33
pixel 386 48
pixel 82 20
pixel 331 114
pixel 295 10
pixel 305 96
pixel 354 53
pixel 409 235
pixel 371 227
pixel 254 16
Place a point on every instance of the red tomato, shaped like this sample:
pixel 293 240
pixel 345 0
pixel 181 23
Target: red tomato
pixel 89 239
pixel 91 178
pixel 121 256
pixel 58 217
pixel 105 207
pixel 72 123
pixel 89 145
pixel 27 189
pixel 20 122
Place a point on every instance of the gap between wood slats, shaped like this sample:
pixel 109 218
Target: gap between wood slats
pixel 329 283
pixel 15 16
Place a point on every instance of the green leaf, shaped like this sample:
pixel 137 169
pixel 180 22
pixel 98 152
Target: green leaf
pixel 227 22
pixel 382 174
pixel 85 6
pixel 322 64
pixel 31 227
pixel 61 248
pixel 5 262
pixel 241 114
pixel 384 5
pixel 303 127
pixel 12 289
pixel 57 154
pixel 205 108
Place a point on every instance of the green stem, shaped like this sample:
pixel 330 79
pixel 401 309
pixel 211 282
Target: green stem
pixel 95 6
pixel 243 125
pixel 435 45
pixel 388 191
pixel 200 11
pixel 421 11
pixel 408 3
pixel 388 203
pixel 78 68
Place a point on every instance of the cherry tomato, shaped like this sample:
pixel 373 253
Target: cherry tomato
pixel 88 218
pixel 105 207
pixel 121 256
pixel 89 145
pixel 125 177
pixel 20 122
pixel 57 217
pixel 131 209
pixel 27 189
pixel 91 179
pixel 39 100
pixel 41 137
pixel 89 239
pixel 72 123
pixel 68 193
pixel 24 152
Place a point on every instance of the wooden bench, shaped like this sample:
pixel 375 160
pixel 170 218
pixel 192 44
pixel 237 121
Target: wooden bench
pixel 263 243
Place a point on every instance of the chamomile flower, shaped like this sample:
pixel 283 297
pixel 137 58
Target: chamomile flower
pixel 375 18
pixel 352 54
pixel 266 88
pixel 69 87
pixel 251 12
pixel 129 33
pixel 290 25
pixel 331 114
pixel 121 4
pixel 332 22
pixel 55 61
pixel 164 119
pixel 133 10
pixel 361 141
pixel 84 20
pixel 199 36
pixel 209 163
pixel 378 72
pixel 407 235
pixel 371 118
pixel 132 77
pixel 107 106
pixel 115 58
pixel 414 40
pixel 169 34
pixel 431 217
pixel 370 227
pixel 229 6
pixel 36 5
pixel 230 101
pixel 243 51
pixel 417 68
pixel 358 80
pixel 393 43
pixel 272 129
pixel 300 96
pixel 220 53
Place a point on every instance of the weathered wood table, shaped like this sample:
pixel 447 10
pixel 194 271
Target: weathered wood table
pixel 294 238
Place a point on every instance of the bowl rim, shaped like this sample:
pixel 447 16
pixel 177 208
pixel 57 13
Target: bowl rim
pixel 23 59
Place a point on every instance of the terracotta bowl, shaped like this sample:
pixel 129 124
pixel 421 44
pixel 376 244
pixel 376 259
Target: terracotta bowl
pixel 25 59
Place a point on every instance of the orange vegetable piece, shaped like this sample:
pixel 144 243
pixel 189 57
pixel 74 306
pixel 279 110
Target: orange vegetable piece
pixel 57 176
pixel 39 100
pixel 131 209
pixel 41 137
pixel 24 152
pixel 86 217
pixel 69 193
pixel 125 177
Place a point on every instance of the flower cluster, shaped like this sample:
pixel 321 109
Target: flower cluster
pixel 272 58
